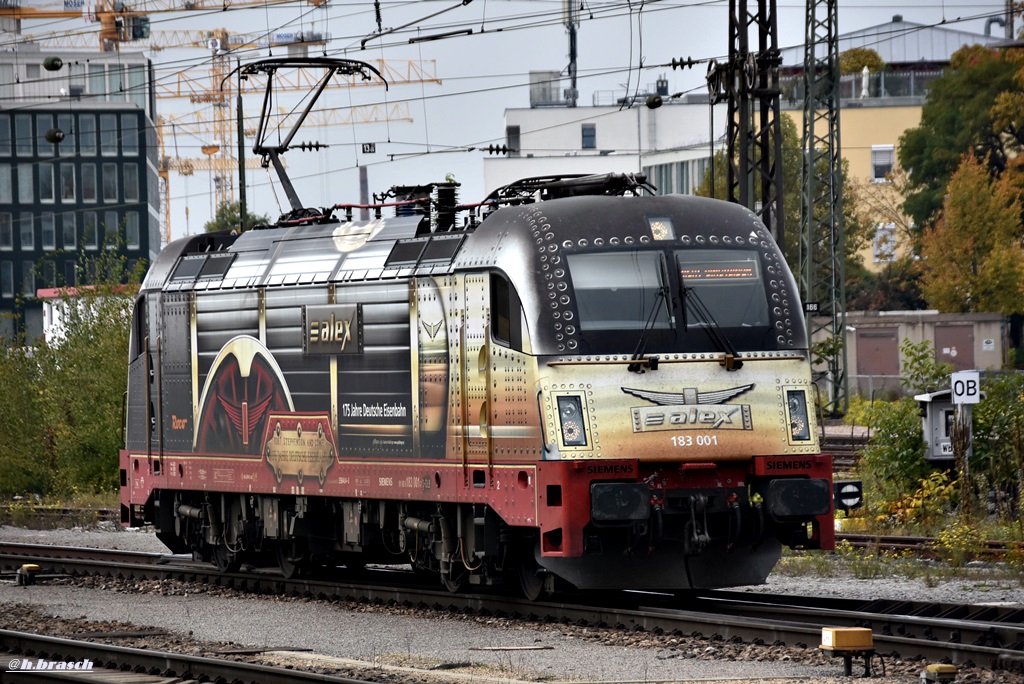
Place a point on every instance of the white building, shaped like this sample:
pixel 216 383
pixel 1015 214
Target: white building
pixel 669 143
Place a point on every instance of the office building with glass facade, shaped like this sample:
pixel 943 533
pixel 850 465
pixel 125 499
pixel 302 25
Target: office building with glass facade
pixel 78 174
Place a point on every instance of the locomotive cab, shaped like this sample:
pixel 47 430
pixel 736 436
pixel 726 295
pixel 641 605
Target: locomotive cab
pixel 673 377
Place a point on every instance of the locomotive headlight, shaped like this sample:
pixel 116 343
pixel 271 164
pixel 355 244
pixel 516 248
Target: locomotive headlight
pixel 799 427
pixel 570 416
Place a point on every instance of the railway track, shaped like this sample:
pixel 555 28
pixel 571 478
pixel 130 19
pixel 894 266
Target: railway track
pixel 990 636
pixel 924 545
pixel 161 666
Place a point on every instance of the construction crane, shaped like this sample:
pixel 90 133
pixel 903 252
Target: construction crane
pixel 206 88
pixel 118 21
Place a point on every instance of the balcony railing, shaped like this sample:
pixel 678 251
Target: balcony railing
pixel 880 86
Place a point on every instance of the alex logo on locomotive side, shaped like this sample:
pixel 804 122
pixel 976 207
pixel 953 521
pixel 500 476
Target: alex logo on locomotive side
pixel 331 329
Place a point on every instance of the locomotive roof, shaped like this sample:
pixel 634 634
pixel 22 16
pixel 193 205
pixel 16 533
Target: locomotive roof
pixel 512 238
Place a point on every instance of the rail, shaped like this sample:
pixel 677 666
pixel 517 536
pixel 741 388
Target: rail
pixel 989 635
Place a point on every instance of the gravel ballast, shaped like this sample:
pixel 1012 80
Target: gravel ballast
pixel 381 636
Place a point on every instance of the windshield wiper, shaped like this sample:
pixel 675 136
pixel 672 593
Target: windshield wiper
pixel 710 326
pixel 637 366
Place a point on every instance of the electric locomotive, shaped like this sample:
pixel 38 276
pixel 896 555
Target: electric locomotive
pixel 586 384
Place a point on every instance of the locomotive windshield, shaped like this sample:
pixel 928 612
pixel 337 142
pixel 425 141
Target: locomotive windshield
pixel 620 290
pixel 727 283
pixel 680 300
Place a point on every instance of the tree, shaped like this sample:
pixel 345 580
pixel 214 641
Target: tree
pixel 228 217
pixel 854 60
pixel 83 426
pixel 897 285
pixel 959 117
pixel 60 427
pixel 972 257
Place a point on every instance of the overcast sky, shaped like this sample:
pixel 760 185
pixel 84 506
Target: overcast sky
pixel 483 74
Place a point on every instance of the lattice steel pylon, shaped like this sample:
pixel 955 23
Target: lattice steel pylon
pixel 822 243
pixel 750 83
pixel 754 138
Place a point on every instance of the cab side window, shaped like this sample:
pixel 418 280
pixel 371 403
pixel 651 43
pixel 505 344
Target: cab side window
pixel 506 313
pixel 138 330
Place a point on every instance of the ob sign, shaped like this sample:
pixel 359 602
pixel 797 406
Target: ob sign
pixel 966 387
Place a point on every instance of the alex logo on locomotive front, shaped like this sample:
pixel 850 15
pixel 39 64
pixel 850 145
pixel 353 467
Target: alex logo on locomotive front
pixel 691 410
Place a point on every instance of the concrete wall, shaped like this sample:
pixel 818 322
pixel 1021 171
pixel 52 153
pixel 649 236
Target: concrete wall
pixel 968 341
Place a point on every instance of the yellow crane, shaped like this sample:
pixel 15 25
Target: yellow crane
pixel 207 87
pixel 118 22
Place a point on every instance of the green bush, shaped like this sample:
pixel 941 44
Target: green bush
pixel 893 461
pixel 998 458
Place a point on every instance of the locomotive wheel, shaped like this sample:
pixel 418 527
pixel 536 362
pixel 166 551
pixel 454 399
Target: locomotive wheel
pixel 224 559
pixel 528 573
pixel 292 559
pixel 531 579
pixel 454 586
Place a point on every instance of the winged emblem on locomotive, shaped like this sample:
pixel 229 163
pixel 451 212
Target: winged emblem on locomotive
pixel 689 396
pixel 691 409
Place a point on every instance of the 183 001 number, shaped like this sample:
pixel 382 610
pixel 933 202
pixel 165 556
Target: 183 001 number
pixel 694 440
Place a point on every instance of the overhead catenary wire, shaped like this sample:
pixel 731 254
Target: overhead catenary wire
pixel 537 19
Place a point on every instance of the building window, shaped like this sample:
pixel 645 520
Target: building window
pixel 110 229
pixel 129 134
pixel 115 82
pixel 5 135
pixel 46 189
pixel 97 81
pixel 110 182
pixel 49 230
pixel 6 279
pixel 131 229
pixel 67 182
pixel 6 184
pixel 66 123
pixel 28 278
pixel 70 273
pixel 69 230
pixel 589 136
pixel 883 246
pixel 882 160
pixel 44 122
pixel 131 182
pixel 49 274
pixel 28 236
pixel 137 86
pixel 23 134
pixel 90 233
pixel 513 140
pixel 108 135
pixel 26 194
pixel 6 232
pixel 89 183
pixel 87 133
